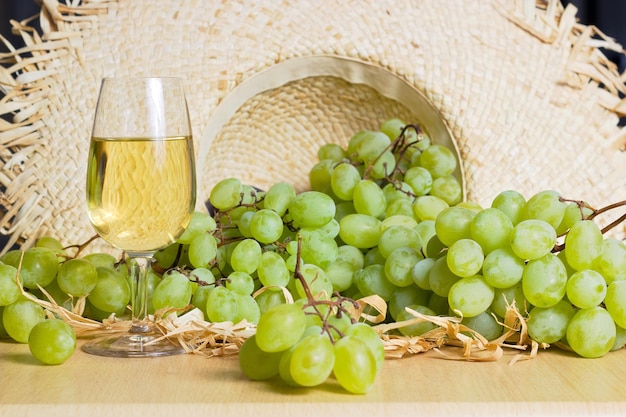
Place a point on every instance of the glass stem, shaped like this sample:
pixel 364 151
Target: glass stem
pixel 139 293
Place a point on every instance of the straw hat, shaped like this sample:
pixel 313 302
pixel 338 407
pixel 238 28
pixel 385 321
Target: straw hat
pixel 519 88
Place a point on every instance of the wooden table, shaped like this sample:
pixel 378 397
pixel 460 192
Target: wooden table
pixel 554 383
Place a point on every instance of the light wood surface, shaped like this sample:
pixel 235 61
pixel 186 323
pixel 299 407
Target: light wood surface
pixel 554 383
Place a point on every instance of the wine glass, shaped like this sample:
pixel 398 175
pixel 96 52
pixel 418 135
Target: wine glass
pixel 141 189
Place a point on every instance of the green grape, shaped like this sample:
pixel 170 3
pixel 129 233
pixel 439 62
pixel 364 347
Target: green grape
pixel 340 273
pixel 58 295
pixel 399 206
pixel 226 194
pixel 428 207
pixel 247 308
pixel 201 222
pixel 397 190
pixel 435 247
pixel 280 327
pixel 174 291
pixel 330 229
pixel 502 268
pixel 392 127
pixel 586 288
pixel 77 277
pixel 360 230
pixel 112 291
pixel 491 228
pixel 9 288
pixel 246 256
pixel 284 367
pixel 368 198
pixel 200 297
pixel 573 214
pixel 611 262
pixel 419 328
pixel 164 259
pixel 202 276
pixel 620 339
pixel 511 203
pixel 272 270
pixel 353 255
pixel 547 206
pixel 344 179
pixel 52 341
pixel 268 299
pixel 318 248
pixel 420 180
pixel 439 305
pixel 105 260
pixel 266 226
pixel 312 209
pixel 202 250
pixel 20 317
pixel 256 364
pixel 383 165
pixel 485 324
pixel 591 332
pixel 320 176
pixel 440 278
pixel 405 296
pixel 544 281
pixel 250 196
pixel 222 305
pixel 373 257
pixel 426 230
pixel 398 220
pixel 399 266
pixel 395 237
pixel 583 244
pixel 240 282
pixel 465 257
pixel 355 365
pixel 316 279
pixel 243 224
pixel 454 223
pixel 470 296
pixel 3 332
pixel 448 188
pixel 312 360
pixel 39 266
pixel 372 280
pixel 421 271
pixel 278 197
pixel 370 145
pixel 372 340
pixel 439 160
pixel 343 209
pixel 532 239
pixel 503 297
pixel 331 151
pixel 53 244
pixel 615 302
pixel 470 205
pixel 549 325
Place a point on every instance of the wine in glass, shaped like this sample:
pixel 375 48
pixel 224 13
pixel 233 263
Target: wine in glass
pixel 141 189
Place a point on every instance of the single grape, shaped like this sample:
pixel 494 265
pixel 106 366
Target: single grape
pixel 52 341
pixel 399 266
pixel 428 207
pixel 340 273
pixel 269 299
pixel 611 262
pixel 549 325
pixel 491 228
pixel 382 166
pixel 398 220
pixel 373 280
pixel 53 244
pixel 485 325
pixel 360 230
pixel 222 305
pixel 331 151
pixel 573 213
pixel 532 239
pixel 272 270
pixel 201 222
pixel 418 328
pixel 420 180
pixel 20 317
pixel 368 198
pixel 77 277
pixel 420 273
pixel 353 255
pixel 395 237
pixel 370 145
pixel 372 340
pixel 426 230
pixel 318 248
pixel 547 206
pixel 226 194
pixel 405 296
pixel 544 281
pixel 266 226
pixel 439 160
pixel 240 282
pixel 440 278
pixel 583 244
pixel 312 209
pixel 101 259
pixel 392 127
pixel 39 266
pixel 316 280
pixel 454 223
pixel 174 291
pixel 344 179
pixel 355 365
pixel 511 203
pixel 247 308
pixel 502 268
pixel 465 257
pixel 255 363
pixel 246 256
pixel 591 332
pixel 202 250
pixel 470 296
pixel 615 302
pixel 398 190
pixel 620 339
pixel 312 360
pixel 320 176
pixel 448 188
pixel 278 197
pixel 112 291
pixel 163 259
pixel 586 288
pixel 199 298
pixel 9 288
pixel 280 327
pixel 504 297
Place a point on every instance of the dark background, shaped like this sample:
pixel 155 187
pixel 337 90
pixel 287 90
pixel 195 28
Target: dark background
pixel 608 15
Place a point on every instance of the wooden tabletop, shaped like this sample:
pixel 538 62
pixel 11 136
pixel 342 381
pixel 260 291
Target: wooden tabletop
pixel 553 383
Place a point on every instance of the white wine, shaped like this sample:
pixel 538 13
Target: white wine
pixel 141 191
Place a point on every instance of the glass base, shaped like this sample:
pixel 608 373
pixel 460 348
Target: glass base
pixel 132 345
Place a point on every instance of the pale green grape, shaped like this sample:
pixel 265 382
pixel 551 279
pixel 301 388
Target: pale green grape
pixel 419 328
pixel 549 325
pixel 465 257
pixel 272 270
pixel 316 279
pixel 395 237
pixel 247 308
pixel 203 276
pixel 368 198
pixel 615 302
pixel 278 197
pixel 491 228
pixel 20 317
pixel 392 127
pixel 544 281
pixel 454 223
pixel 485 324
pixel 330 229
pixel 312 209
pixel 201 222
pixel 266 226
pixel 439 160
pixel 397 190
pixel 511 203
pixel 355 365
pixel 9 289
pixel 222 305
pixel 398 220
pixel 426 230
pixel 370 145
pixel 360 230
pixel 174 291
pixel 268 299
pixel 372 280
pixel 420 273
pixel 448 188
pixel 405 296
pixel 112 291
pixel 200 297
pixel 371 339
pixel 583 244
pixel 620 339
pixel 399 266
pixel 428 207
pixel 256 364
pixel 318 248
pixel 101 259
pixel 611 262
pixel 586 288
pixel 503 297
pixel 502 268
pixel 243 224
pixel 320 175
pixel 402 207
pixel 331 151
pixel 240 282
pixel 226 194
pixel 353 255
pixel 164 259
pixel 440 278
pixel 573 214
pixel 532 239
pixel 53 244
pixel 39 266
pixel 280 327
pixel 419 179
pixel 284 367
pixel 340 273
pixel 77 277
pixel 344 179
pixel 470 296
pixel 246 256
pixel 202 250
pixel 312 360
pixel 591 332
pixel 374 257
pixel 439 305
pixel 547 206
pixel 382 166
pixel 52 341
